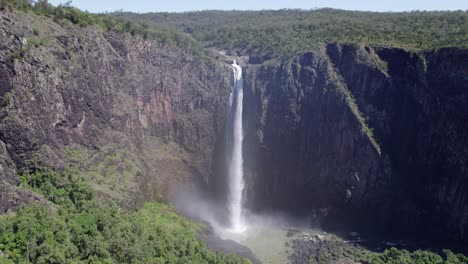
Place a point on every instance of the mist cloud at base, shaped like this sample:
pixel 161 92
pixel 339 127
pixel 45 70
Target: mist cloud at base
pixel 196 204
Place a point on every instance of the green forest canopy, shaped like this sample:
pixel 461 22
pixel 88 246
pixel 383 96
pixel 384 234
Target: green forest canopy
pixel 76 227
pixel 273 33
pixel 287 32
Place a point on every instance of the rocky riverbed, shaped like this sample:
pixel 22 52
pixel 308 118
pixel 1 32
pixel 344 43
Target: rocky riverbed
pixel 322 248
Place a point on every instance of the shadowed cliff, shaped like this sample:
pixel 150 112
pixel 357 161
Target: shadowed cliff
pixel 361 137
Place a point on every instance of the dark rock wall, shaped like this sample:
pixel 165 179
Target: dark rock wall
pixel 311 153
pixel 375 136
pixel 419 114
pixel 118 99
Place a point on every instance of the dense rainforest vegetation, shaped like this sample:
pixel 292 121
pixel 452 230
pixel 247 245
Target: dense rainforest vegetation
pixel 76 227
pixel 287 32
pixel 273 33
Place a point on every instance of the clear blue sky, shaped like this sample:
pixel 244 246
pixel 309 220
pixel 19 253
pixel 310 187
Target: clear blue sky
pixel 193 5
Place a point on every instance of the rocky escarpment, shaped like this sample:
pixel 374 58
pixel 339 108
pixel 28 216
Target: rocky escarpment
pixel 313 152
pixel 419 114
pixel 133 115
pixel 376 136
pixel 361 136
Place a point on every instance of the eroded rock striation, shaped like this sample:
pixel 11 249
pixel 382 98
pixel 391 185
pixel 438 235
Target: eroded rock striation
pixel 364 137
pixel 135 115
pixel 359 136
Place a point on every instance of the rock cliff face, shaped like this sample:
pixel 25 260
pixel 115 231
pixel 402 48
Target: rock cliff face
pixel 313 152
pixel 366 137
pixel 135 115
pixel 419 113
pixel 361 136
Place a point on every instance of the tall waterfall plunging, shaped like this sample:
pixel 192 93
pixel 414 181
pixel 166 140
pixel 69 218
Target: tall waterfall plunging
pixel 234 152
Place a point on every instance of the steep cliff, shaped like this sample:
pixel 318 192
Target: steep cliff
pixel 313 151
pixel 134 115
pixel 375 136
pixel 362 137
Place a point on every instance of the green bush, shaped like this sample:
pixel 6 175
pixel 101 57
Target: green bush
pixel 33 42
pixel 77 228
pixel 18 4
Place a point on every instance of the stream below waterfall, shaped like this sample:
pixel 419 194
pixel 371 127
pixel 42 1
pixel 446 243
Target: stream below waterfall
pixel 271 245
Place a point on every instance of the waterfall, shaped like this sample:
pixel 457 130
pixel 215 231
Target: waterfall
pixel 234 152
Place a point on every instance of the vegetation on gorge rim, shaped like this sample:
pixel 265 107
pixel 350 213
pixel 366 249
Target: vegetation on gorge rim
pixel 288 32
pixel 273 33
pixel 68 13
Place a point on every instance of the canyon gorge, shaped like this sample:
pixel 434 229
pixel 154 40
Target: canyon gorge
pixel 370 134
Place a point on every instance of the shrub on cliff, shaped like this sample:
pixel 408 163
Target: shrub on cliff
pixel 18 4
pixel 66 12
